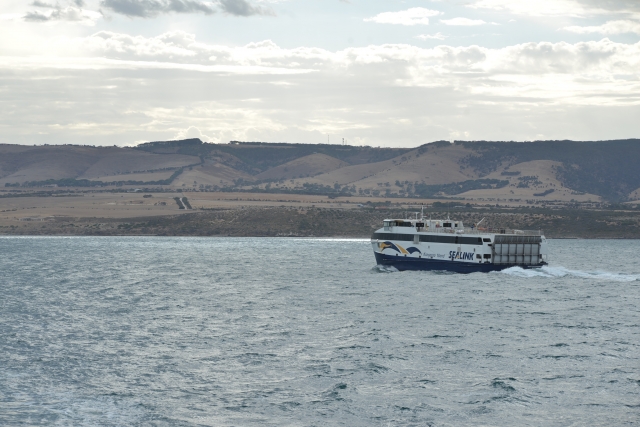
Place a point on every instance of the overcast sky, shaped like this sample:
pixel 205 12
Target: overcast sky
pixel 375 72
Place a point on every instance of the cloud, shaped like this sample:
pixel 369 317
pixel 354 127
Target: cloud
pixel 171 46
pixel 462 21
pixel 436 36
pixel 159 87
pixel 192 132
pixel 611 6
pixel 575 8
pixel 182 47
pixel 37 17
pixel 56 12
pixel 11 16
pixel 152 8
pixel 39 3
pixel 610 27
pixel 413 16
pixel 243 8
pixel 539 7
pixel 589 66
pixel 56 5
pixel 88 64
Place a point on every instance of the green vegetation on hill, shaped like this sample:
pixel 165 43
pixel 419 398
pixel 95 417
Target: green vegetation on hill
pixel 424 190
pixel 420 189
pixel 258 157
pixel 191 147
pixel 72 182
pixel 606 168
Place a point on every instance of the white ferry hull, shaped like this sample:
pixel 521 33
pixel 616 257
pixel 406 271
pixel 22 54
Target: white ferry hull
pixel 403 263
pixel 447 245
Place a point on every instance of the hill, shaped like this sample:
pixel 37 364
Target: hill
pixel 258 157
pixel 528 172
pixel 311 165
pixel 606 168
pixel 26 164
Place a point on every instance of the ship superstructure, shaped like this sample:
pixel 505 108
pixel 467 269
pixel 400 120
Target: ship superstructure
pixel 427 244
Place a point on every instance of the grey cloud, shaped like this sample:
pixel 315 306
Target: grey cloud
pixel 243 8
pixel 151 8
pixel 57 14
pixel 71 12
pixel 366 94
pixel 44 4
pixel 37 17
pixel 613 5
pixel 38 3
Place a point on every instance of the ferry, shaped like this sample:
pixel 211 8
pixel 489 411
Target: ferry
pixel 426 244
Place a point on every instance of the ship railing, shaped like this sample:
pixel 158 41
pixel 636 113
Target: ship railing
pixel 501 230
pixel 481 230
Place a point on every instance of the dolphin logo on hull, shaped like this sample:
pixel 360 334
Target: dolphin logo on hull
pixel 388 245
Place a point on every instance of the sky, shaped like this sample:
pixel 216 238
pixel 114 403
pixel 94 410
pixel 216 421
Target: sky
pixel 367 72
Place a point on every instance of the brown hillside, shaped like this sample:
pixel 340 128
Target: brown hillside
pixel 23 164
pixel 437 165
pixel 544 172
pixel 120 161
pixel 562 170
pixel 347 175
pixel 211 173
pixel 307 166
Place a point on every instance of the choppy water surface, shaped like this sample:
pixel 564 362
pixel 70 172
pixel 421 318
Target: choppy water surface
pixel 215 332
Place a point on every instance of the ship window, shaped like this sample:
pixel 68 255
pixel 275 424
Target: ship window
pixel 486 240
pixel 487 256
pixel 446 224
pixel 478 256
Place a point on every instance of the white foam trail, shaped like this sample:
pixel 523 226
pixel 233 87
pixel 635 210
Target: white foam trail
pixel 385 269
pixel 334 239
pixel 556 272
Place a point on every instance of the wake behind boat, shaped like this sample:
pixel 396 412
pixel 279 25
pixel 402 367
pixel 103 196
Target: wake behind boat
pixel 426 244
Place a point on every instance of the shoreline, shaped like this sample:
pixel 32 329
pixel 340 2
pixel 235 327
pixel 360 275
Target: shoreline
pixel 313 222
pixel 268 237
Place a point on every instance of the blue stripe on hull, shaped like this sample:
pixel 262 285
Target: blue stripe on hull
pixel 403 263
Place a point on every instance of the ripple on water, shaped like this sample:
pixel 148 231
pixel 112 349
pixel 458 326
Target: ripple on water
pixel 197 331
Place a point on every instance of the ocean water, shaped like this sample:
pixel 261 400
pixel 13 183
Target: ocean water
pixel 147 331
